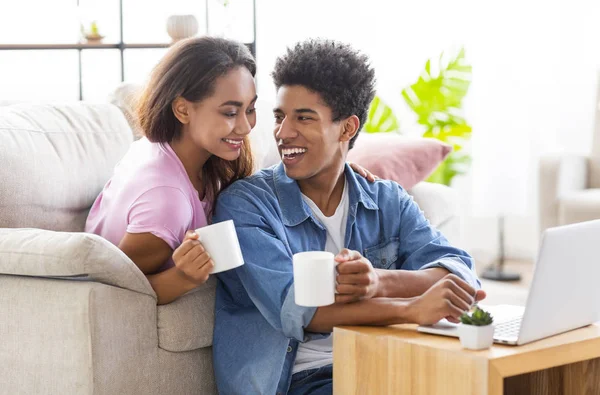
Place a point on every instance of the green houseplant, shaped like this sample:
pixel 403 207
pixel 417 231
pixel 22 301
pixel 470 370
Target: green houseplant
pixel 381 118
pixel 476 331
pixel 436 99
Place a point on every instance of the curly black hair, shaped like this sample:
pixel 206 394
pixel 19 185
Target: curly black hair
pixel 341 75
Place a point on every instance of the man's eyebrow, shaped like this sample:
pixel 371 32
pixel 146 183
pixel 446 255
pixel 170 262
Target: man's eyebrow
pixel 303 110
pixel 237 103
pixel 297 111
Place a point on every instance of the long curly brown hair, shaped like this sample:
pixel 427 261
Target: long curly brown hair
pixel 189 70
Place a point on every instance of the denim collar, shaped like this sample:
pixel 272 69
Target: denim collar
pixel 293 208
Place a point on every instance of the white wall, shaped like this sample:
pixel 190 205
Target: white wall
pixel 534 75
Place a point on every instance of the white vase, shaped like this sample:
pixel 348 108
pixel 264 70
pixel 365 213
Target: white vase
pixel 182 26
pixel 476 337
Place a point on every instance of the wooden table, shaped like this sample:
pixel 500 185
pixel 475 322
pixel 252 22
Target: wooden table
pixel 399 360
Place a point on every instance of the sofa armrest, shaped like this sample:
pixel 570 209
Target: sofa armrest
pixel 439 204
pixel 187 323
pixel 78 256
pixel 73 337
pixel 559 175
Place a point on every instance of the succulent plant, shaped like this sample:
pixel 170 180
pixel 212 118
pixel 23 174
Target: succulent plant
pixel 479 317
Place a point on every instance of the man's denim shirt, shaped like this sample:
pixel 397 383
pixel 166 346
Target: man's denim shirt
pixel 257 324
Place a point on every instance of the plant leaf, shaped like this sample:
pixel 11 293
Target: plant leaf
pixel 437 99
pixel 479 317
pixel 381 118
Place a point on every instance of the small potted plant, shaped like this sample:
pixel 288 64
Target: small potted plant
pixel 92 35
pixel 476 331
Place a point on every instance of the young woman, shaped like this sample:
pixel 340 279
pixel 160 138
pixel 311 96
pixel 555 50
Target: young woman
pixel 196 113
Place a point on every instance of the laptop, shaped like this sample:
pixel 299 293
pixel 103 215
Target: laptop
pixel 564 293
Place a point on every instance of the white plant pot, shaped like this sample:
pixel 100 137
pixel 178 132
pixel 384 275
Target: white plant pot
pixel 476 337
pixel 182 26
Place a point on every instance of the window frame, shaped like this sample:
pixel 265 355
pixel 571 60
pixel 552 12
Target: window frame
pixel 121 46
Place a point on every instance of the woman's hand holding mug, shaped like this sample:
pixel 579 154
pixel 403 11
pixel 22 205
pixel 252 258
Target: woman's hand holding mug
pixel 192 261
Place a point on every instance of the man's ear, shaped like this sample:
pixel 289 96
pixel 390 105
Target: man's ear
pixel 181 108
pixel 350 128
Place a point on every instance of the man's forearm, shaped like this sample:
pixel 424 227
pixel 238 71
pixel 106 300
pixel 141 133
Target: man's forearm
pixel 377 311
pixel 407 283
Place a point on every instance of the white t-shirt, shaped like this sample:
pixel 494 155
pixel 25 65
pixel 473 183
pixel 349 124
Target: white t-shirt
pixel 317 353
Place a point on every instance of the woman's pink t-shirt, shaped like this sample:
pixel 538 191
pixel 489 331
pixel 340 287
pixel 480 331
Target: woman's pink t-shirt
pixel 149 192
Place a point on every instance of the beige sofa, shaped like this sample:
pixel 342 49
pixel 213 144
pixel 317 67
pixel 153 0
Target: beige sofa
pixel 76 315
pixel 569 185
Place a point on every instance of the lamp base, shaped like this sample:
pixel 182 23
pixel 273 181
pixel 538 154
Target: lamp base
pixel 496 273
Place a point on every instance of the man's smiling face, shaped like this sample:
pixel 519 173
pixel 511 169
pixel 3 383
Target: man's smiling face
pixel 307 138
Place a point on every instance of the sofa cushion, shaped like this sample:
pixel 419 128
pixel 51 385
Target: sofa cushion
pixel 187 323
pixel 55 159
pixel 406 160
pixel 579 206
pixel 78 256
pixel 439 204
pixel 125 97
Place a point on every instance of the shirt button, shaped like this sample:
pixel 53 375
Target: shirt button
pixel 289 349
pixel 384 261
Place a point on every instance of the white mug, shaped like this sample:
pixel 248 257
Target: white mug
pixel 221 242
pixel 314 278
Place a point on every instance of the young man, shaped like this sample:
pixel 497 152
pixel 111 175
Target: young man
pixel 393 266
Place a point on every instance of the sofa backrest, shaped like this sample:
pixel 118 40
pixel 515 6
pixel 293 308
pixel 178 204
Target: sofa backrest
pixel 595 159
pixel 55 160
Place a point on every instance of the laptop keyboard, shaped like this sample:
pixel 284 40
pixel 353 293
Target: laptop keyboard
pixel 508 328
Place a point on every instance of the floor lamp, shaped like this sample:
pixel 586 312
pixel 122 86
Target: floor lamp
pixel 496 271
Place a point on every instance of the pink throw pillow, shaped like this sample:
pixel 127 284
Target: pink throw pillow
pixel 406 160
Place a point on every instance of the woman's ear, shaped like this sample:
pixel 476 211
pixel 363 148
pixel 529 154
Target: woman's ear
pixel 350 128
pixel 181 108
